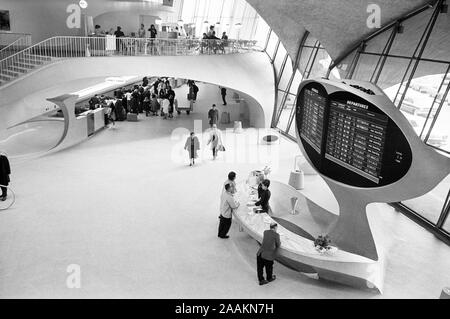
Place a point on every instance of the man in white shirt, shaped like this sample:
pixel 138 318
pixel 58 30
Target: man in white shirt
pixel 232 181
pixel 227 205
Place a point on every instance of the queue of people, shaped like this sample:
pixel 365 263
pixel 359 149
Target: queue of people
pixel 153 99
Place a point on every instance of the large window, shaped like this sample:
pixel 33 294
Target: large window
pixel 279 59
pixel 272 45
pixel 313 62
pixel 235 17
pixel 431 204
pixel 411 63
pixel 286 76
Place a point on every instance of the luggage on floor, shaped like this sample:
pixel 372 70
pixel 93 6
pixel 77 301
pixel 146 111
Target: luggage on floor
pixel 225 118
pixel 132 117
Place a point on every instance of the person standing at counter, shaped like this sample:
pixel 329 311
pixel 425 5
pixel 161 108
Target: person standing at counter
pixel 232 181
pixel 5 170
pixel 264 196
pixel 227 205
pixel 192 145
pixel 171 98
pixel 266 254
pixel 120 112
pixel 93 102
pixel 154 105
pixel 146 104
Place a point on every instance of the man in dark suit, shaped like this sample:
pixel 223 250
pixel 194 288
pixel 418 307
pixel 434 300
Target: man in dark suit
pixel 264 196
pixel 5 170
pixel 266 254
pixel 213 115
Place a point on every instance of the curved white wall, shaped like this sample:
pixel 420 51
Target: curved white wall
pixel 250 73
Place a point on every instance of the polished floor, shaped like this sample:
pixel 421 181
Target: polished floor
pixel 126 207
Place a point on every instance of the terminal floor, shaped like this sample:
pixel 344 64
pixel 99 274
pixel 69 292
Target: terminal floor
pixel 126 207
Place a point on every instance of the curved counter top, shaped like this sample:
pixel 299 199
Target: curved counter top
pixel 299 252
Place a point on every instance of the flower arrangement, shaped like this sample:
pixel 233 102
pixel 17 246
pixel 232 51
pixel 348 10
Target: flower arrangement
pixel 266 170
pixel 322 243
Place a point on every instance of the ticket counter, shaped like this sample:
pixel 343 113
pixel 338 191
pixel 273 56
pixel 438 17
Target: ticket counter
pixel 95 120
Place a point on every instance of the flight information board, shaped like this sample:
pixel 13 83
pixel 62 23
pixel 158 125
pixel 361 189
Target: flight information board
pixel 313 114
pixel 356 138
pixel 350 139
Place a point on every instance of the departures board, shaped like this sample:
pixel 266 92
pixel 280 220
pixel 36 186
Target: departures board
pixel 350 139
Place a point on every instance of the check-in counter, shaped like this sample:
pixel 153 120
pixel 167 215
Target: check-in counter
pixel 297 247
pixel 95 120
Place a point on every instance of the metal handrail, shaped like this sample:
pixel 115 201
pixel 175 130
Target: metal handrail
pixel 13 198
pixel 16 46
pixel 7 38
pixel 75 47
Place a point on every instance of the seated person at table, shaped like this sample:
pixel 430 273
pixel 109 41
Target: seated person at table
pixel 264 197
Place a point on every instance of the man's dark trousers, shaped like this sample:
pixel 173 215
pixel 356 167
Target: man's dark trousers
pixel 224 226
pixel 4 191
pixel 260 264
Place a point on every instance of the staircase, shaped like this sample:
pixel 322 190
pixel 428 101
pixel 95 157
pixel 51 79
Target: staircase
pixel 21 65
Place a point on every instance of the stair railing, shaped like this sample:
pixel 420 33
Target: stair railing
pixel 15 46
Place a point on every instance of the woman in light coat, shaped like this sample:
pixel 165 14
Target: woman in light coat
pixel 164 107
pixel 192 145
pixel 215 139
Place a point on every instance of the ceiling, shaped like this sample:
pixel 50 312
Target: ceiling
pixel 337 24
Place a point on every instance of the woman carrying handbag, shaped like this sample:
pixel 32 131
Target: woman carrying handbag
pixel 215 140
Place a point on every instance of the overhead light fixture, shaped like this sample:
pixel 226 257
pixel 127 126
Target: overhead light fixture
pixel 238 25
pixel 83 4
pixel 180 22
pixel 205 22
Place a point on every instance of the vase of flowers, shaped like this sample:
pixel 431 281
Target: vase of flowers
pixel 322 243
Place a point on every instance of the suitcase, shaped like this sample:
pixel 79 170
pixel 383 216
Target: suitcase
pixel 132 117
pixel 225 118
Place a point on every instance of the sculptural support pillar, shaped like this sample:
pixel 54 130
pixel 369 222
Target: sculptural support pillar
pixel 74 131
pixel 352 230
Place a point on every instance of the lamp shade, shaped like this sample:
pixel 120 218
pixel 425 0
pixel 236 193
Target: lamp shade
pixel 238 25
pixel 180 22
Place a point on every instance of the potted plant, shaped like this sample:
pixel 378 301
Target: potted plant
pixel 322 243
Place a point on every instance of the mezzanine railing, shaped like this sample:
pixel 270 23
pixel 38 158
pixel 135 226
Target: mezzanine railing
pixel 73 47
